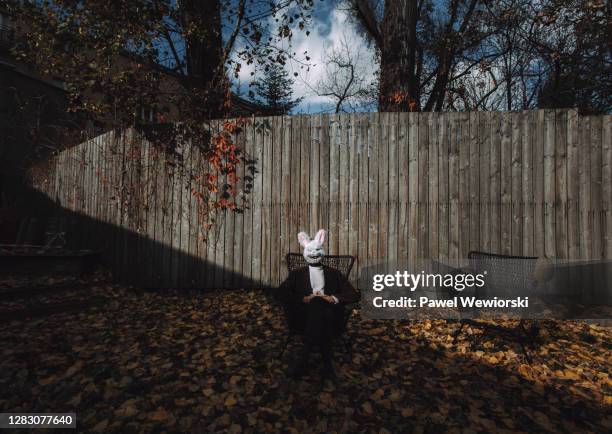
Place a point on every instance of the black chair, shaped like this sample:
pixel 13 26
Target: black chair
pixel 342 263
pixel 508 275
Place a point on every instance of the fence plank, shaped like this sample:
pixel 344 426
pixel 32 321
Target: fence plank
pixel 217 235
pixel 403 159
pixel 237 278
pixel 144 239
pixel 285 196
pixel 250 176
pixel 294 206
pixel 353 198
pixel 584 173
pixel 374 138
pixel 596 186
pixel 561 183
pixel 276 255
pixel 178 257
pixel 266 211
pixel 129 206
pixel 606 184
pixel 464 185
pixel 383 185
pixel 363 186
pixel 324 176
pixel 538 155
pixel 211 234
pixel 484 151
pixel 443 185
pixel 573 185
pixel 413 187
pixel 259 126
pixel 434 180
pixel 195 264
pixel 550 249
pixel 393 188
pixel 527 182
pixel 453 182
pixel 495 180
pixel 506 185
pixel 334 184
pixel 474 181
pixel 344 152
pixel 423 166
pixel 516 197
pixel 314 177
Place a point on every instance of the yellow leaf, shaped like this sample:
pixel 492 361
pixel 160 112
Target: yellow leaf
pixel 571 375
pixel 159 415
pixel 326 399
pixel 76 400
pixel 407 412
pixel 48 380
pixel 224 420
pixel 235 429
pixel 367 408
pixel 127 409
pixel 543 420
pixel 377 395
pixel 525 371
pixel 74 369
pixel 395 395
pixel 509 422
pixel 100 426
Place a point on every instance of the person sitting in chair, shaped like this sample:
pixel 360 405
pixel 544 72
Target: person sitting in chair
pixel 314 297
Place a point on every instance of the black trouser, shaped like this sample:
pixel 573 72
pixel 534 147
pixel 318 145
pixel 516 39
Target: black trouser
pixel 319 321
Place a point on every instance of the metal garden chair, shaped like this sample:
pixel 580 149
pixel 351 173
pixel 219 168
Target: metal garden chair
pixel 342 263
pixel 510 275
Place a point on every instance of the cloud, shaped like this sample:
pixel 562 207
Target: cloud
pixel 325 36
pixel 327 28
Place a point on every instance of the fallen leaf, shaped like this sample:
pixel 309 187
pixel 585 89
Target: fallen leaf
pixel 100 426
pixel 407 412
pixel 159 415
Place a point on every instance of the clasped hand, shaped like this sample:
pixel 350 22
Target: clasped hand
pixel 327 298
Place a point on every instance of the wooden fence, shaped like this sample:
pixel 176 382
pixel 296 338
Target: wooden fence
pixel 387 186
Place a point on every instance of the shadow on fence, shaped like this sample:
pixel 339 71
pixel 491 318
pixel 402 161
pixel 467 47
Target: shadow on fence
pixel 134 258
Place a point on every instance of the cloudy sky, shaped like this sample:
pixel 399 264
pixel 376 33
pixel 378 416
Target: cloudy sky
pixel 328 26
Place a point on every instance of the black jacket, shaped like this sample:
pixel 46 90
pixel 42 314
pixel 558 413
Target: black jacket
pixel 297 286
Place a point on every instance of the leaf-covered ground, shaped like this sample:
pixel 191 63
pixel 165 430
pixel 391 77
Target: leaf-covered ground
pixel 178 362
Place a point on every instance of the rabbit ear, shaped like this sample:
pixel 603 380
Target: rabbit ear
pixel 320 237
pixel 303 238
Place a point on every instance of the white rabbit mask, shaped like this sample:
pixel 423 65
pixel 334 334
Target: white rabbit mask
pixel 313 249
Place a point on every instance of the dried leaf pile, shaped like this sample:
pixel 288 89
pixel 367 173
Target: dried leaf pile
pixel 177 362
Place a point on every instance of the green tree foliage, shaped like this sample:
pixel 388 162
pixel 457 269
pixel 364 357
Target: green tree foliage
pixel 275 89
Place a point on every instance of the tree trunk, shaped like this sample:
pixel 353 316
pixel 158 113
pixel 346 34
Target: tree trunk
pixel 204 47
pixel 399 87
